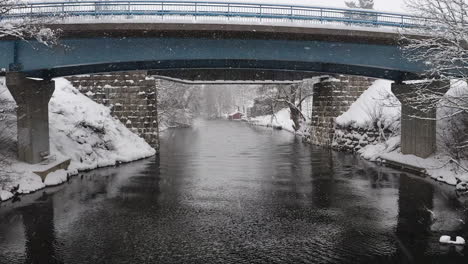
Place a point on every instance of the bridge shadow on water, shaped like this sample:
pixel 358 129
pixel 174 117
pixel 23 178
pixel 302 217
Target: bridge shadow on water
pixel 225 192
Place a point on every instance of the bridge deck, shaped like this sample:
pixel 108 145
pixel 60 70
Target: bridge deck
pixel 198 10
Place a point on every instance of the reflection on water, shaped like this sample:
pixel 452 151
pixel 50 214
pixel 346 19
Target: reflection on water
pixel 225 192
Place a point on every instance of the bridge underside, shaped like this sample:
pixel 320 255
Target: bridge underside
pixel 276 70
pixel 230 74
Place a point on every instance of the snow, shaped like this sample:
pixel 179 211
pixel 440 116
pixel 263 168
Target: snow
pixel 280 120
pixel 374 152
pixel 376 104
pixel 88 134
pixel 56 178
pixel 236 112
pixel 447 240
pixel 233 21
pixel 5 195
pixel 437 166
pixel 80 130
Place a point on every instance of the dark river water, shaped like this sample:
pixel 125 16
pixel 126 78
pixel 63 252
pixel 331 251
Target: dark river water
pixel 226 192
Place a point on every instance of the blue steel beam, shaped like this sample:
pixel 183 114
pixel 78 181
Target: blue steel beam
pixel 90 55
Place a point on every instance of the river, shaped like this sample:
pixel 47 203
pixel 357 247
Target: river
pixel 227 192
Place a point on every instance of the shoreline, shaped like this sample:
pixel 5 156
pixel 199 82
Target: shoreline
pixel 380 160
pixel 70 174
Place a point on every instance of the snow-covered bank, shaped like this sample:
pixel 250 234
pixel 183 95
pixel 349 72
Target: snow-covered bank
pixel 377 106
pixel 80 130
pixel 378 109
pixel 281 120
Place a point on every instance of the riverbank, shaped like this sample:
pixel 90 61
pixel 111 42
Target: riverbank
pixel 281 120
pixel 371 129
pixel 81 131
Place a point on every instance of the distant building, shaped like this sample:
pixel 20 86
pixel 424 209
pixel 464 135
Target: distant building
pixel 235 116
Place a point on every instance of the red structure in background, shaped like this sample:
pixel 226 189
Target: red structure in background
pixel 235 116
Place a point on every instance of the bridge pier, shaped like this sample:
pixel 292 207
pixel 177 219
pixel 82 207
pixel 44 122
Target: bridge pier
pixel 332 97
pixel 418 116
pixel 32 99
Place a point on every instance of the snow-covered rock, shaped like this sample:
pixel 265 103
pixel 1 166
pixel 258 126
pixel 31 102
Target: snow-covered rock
pixel 462 187
pixel 5 195
pixel 56 178
pixel 447 240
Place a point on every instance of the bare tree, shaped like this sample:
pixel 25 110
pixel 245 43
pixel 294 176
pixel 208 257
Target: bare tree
pixel 293 96
pixel 177 103
pixel 442 45
pixel 25 27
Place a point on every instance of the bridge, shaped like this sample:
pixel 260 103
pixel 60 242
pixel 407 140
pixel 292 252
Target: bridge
pixel 173 37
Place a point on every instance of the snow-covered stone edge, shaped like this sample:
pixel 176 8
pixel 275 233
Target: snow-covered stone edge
pixel 439 167
pixel 379 99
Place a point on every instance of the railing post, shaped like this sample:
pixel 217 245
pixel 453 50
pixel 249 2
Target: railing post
pixel 162 10
pixel 196 10
pixel 321 15
pixel 95 9
pixel 291 13
pixel 229 11
pixel 63 11
pixel 261 13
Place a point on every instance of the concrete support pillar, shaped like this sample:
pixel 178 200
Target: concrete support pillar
pixel 32 98
pixel 418 116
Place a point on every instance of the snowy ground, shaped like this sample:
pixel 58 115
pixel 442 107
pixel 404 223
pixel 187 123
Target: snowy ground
pixel 80 130
pixel 379 105
pixel 280 120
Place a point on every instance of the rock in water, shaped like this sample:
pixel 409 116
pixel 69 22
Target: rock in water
pixel 447 240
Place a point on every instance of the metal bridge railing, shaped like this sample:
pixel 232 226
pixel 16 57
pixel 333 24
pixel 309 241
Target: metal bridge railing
pixel 153 10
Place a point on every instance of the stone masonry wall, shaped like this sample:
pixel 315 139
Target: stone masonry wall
pixel 351 139
pixel 332 97
pixel 131 96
